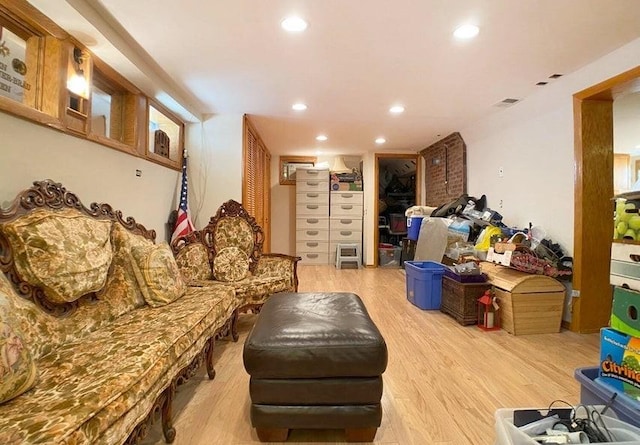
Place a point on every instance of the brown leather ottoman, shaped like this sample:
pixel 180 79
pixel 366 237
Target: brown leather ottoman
pixel 316 361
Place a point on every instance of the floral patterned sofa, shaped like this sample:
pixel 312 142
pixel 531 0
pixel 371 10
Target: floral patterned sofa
pixel 97 326
pixel 228 253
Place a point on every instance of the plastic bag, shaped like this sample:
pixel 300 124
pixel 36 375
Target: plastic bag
pixel 484 239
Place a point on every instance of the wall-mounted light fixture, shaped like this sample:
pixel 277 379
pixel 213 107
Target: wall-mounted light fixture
pixel 77 83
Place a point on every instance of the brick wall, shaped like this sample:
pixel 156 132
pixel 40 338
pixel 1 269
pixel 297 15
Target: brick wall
pixel 446 170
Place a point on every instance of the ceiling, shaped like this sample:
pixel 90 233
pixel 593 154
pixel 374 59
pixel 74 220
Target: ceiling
pixel 356 59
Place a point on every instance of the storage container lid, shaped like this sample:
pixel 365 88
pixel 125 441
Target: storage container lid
pixel 513 280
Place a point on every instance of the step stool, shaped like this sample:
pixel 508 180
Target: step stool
pixel 347 253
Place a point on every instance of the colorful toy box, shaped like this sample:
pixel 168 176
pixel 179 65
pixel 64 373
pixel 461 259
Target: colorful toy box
pixel 620 361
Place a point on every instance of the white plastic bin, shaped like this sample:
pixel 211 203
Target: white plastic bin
pixel 508 434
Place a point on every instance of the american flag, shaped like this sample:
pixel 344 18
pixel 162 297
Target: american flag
pixel 183 224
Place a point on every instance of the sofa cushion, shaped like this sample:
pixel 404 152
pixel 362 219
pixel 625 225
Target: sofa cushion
pixel 234 232
pixel 94 390
pixel 253 289
pixel 193 262
pixel 65 253
pixel 231 264
pixel 122 289
pixel 157 274
pixel 17 368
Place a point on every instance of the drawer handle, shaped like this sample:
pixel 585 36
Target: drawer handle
pixel 313 183
pixel 312 255
pixel 313 172
pixel 313 221
pixel 312 232
pixel 346 232
pixel 344 207
pixel 312 207
pixel 348 195
pixel 312 244
pixel 346 221
pixel 635 257
pixel 312 195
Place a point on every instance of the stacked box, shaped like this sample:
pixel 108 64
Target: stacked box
pixel 620 361
pixel 625 313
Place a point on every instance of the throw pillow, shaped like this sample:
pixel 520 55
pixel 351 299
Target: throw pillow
pixel 231 264
pixel 193 262
pixel 121 288
pixel 17 368
pixel 65 253
pixel 157 274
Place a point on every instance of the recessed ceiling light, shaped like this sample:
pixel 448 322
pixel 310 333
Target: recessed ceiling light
pixel 294 24
pixel 381 141
pixel 396 109
pixel 465 32
pixel 299 106
pixel 318 152
pixel 321 137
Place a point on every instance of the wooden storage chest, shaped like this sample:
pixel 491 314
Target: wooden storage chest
pixel 529 304
pixel 460 300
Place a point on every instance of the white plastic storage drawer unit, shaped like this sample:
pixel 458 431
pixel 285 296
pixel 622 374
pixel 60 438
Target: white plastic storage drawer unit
pixel 345 220
pixel 349 210
pixel 346 198
pixel 346 223
pixel 312 222
pixel 314 258
pixel 312 216
pixel 345 235
pixel 625 265
pixel 321 235
pixel 312 180
pixel 310 246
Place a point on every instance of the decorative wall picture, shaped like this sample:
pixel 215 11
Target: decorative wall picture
pixel 289 165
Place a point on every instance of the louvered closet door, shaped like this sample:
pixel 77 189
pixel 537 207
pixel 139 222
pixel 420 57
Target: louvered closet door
pixel 256 191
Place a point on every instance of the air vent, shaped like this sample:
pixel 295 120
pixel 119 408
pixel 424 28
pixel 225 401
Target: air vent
pixel 541 84
pixel 555 76
pixel 507 102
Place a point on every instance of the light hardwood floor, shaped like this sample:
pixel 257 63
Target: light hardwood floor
pixel 442 385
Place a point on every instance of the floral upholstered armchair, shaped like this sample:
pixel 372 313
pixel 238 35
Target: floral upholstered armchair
pixel 228 252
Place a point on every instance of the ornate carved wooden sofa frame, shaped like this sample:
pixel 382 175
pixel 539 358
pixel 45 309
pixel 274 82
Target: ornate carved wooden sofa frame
pixel 268 272
pixel 52 196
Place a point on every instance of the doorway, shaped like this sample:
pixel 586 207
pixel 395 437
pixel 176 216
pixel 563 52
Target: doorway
pixel 593 140
pixel 397 179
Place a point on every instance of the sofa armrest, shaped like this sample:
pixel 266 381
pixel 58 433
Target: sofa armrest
pixel 277 264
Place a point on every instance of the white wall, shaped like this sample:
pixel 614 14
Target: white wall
pixel 533 142
pixel 215 164
pixel 283 212
pixel 95 173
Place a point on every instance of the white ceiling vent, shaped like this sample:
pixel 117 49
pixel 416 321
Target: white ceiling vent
pixel 507 102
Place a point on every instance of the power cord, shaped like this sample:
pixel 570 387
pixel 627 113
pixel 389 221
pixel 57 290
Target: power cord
pixel 592 424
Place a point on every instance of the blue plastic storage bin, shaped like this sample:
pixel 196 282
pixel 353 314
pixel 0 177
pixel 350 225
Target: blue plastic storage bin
pixel 424 283
pixel 593 392
pixel 413 227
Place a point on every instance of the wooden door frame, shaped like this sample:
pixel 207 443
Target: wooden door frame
pixel 376 194
pixel 593 190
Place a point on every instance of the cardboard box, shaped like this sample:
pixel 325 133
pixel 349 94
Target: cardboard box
pixel 346 186
pixel 625 311
pixel 620 361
